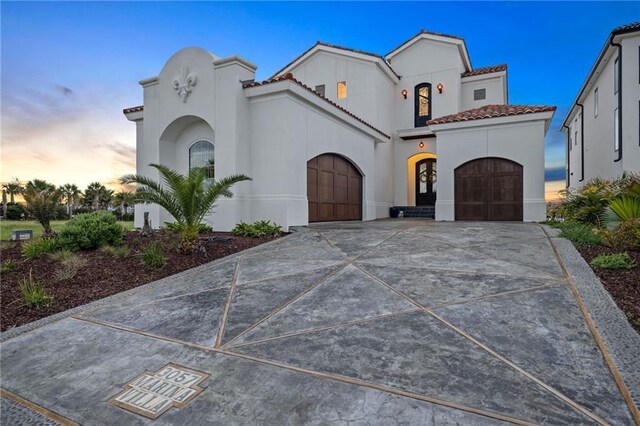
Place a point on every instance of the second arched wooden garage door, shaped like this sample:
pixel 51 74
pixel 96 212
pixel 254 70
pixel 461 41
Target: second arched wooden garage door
pixel 488 189
pixel 334 189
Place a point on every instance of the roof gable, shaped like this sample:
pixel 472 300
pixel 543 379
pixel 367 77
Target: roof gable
pixel 437 37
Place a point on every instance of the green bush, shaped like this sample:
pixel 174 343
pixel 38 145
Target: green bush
pixel 625 237
pixel 614 261
pixel 174 226
pixel 90 231
pixel 153 256
pixel 579 234
pixel 8 265
pixel 16 212
pixel 117 251
pixel 33 292
pixel 34 248
pixel 261 228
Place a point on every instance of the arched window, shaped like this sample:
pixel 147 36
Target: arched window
pixel 423 104
pixel 202 155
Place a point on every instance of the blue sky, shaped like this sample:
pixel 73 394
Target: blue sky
pixel 68 69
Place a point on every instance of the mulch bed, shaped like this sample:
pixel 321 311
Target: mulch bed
pixel 622 285
pixel 103 274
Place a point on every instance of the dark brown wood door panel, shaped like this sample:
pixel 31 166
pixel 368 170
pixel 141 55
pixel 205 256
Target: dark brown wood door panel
pixel 334 189
pixel 489 189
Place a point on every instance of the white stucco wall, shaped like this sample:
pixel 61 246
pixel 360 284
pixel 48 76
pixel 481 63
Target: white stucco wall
pixel 494 84
pixel 599 154
pixel 521 141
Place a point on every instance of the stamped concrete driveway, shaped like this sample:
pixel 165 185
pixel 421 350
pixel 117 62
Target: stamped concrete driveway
pixel 410 322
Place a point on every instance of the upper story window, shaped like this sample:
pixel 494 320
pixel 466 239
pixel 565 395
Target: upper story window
pixel 202 155
pixel 616 134
pixel 479 94
pixel 595 102
pixel 342 89
pixel 320 89
pixel 616 81
pixel 423 104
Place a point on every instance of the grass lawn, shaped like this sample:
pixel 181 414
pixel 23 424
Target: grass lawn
pixel 7 226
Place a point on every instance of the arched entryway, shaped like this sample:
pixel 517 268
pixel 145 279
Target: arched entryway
pixel 334 189
pixel 488 189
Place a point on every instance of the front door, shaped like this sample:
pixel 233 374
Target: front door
pixel 426 182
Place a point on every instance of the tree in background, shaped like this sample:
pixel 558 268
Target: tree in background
pixel 71 194
pixel 188 198
pixel 13 188
pixel 123 199
pixel 93 195
pixel 39 185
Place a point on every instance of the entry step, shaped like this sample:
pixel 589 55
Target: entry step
pixel 413 211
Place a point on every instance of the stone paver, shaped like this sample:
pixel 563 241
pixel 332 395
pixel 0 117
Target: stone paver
pixel 386 322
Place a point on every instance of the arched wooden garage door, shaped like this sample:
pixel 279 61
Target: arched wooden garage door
pixel 334 189
pixel 488 189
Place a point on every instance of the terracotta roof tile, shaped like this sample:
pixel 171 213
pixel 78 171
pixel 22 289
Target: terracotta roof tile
pixel 289 76
pixel 491 111
pixel 133 109
pixel 485 70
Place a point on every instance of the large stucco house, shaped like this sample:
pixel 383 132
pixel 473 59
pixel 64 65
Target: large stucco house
pixel 342 134
pixel 603 124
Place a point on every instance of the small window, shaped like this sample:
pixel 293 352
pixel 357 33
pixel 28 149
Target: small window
pixel 202 155
pixel 423 104
pixel 575 138
pixel 616 134
pixel 342 89
pixel 570 144
pixel 320 89
pixel 616 82
pixel 479 94
pixel 595 102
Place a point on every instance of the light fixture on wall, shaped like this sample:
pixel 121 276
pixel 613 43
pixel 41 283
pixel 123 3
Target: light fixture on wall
pixel 440 87
pixel 421 144
pixel 404 93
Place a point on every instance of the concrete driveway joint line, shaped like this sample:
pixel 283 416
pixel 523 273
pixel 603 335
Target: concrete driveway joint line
pixel 617 339
pixel 387 322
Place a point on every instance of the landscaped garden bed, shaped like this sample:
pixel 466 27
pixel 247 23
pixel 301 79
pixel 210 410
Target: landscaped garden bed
pixel 102 272
pixel 602 219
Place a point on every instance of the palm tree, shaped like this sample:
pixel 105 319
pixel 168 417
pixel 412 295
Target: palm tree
pixel 40 185
pixel 14 187
pixel 188 198
pixel 93 195
pixel 71 194
pixel 124 199
pixel 42 205
pixel 105 198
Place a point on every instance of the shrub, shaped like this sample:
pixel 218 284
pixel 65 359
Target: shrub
pixel 117 251
pixel 175 227
pixel 90 231
pixel 620 210
pixel 625 237
pixel 16 212
pixel 153 256
pixel 34 248
pixel 60 212
pixel 261 228
pixel 33 292
pixel 614 261
pixel 42 204
pixel 65 272
pixel 579 234
pixel 8 265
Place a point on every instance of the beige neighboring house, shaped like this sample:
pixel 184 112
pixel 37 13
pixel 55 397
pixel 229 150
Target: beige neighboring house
pixel 603 124
pixel 343 134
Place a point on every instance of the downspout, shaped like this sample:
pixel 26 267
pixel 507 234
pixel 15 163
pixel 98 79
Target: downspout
pixel 568 154
pixel 619 129
pixel 581 141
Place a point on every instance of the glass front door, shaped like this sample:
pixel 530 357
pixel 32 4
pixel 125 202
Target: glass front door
pixel 426 185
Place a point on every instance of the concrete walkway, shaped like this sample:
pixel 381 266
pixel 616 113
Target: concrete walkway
pixel 398 321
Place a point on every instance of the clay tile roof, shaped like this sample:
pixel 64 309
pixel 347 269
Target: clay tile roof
pixel 288 76
pixel 485 70
pixel 634 26
pixel 490 111
pixel 133 109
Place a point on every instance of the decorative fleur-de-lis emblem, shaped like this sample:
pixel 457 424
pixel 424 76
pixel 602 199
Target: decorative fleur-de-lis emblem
pixel 183 84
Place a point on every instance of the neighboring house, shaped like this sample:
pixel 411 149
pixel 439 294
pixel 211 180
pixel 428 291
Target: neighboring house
pixel 341 134
pixel 603 123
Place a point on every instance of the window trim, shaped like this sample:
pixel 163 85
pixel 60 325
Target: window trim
pixel 418 120
pixel 214 154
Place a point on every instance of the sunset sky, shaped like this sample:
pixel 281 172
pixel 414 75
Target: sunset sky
pixel 68 69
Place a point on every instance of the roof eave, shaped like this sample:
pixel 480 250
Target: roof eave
pixel 491 121
pixel 462 46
